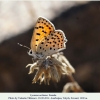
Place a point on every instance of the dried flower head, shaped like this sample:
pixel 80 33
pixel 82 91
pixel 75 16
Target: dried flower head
pixel 51 68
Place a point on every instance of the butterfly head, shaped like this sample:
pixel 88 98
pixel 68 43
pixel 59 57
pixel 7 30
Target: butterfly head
pixel 35 55
pixel 31 53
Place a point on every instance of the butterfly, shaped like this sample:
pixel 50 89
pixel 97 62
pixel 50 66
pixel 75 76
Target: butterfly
pixel 46 41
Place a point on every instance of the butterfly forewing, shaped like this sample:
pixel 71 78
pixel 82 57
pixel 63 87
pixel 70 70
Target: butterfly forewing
pixel 42 29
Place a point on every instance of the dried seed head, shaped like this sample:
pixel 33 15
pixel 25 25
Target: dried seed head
pixel 51 68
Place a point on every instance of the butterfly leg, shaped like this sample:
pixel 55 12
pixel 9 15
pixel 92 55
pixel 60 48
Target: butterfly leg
pixel 32 67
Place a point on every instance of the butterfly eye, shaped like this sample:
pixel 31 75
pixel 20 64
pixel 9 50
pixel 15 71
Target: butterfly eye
pixel 30 52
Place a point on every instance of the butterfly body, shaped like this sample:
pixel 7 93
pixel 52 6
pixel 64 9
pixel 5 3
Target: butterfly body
pixel 46 41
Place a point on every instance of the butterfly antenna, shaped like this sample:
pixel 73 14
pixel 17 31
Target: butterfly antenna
pixel 23 46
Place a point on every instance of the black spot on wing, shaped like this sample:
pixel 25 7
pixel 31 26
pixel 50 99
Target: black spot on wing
pixel 44 31
pixel 37 33
pixel 50 48
pixel 53 45
pixel 49 27
pixel 58 40
pixel 40 26
pixel 37 39
pixel 51 34
pixel 42 42
pixel 50 31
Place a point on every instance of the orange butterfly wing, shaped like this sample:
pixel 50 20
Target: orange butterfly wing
pixel 54 43
pixel 42 29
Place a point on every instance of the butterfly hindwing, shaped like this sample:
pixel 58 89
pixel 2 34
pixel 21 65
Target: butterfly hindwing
pixel 53 43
